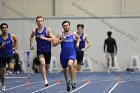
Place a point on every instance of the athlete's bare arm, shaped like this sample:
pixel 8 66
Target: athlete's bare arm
pixel 15 42
pixel 49 32
pixel 31 39
pixel 78 39
pixel 87 41
pixel 57 40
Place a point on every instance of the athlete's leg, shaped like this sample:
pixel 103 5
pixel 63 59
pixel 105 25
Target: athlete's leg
pixel 41 58
pixel 47 60
pixel 11 66
pixel 72 72
pixel 107 57
pixel 71 69
pixel 47 67
pixel 75 68
pixel 112 59
pixel 65 70
pixel 2 76
pixel 79 67
pixel 79 57
pixel 43 69
pixel 108 62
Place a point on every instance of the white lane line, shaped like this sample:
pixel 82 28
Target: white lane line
pixel 20 86
pixel 116 86
pixel 79 87
pixel 113 87
pixel 15 82
pixel 87 78
pixel 45 88
pixel 15 77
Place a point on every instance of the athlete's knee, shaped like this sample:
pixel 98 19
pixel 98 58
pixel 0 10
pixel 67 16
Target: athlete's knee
pixel 11 68
pixel 43 65
pixel 70 63
pixel 42 62
pixel 47 66
pixel 78 69
pixel 65 70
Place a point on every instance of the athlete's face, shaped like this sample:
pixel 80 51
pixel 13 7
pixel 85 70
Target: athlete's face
pixel 80 29
pixel 40 22
pixel 4 29
pixel 66 27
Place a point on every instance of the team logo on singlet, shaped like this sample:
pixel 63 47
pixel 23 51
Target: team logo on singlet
pixel 6 42
pixel 68 40
pixel 38 36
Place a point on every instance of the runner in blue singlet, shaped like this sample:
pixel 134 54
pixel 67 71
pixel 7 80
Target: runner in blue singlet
pixel 67 55
pixel 8 43
pixel 44 37
pixel 84 44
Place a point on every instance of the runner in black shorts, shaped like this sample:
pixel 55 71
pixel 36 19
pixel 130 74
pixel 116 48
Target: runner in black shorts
pixel 82 46
pixel 46 55
pixel 8 43
pixel 44 38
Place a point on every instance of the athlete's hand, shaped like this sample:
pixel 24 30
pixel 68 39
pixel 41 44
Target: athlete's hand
pixel 83 49
pixel 63 38
pixel 16 51
pixel 42 37
pixel 2 46
pixel 77 45
pixel 60 40
pixel 31 48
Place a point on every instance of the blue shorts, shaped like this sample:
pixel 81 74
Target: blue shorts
pixel 65 58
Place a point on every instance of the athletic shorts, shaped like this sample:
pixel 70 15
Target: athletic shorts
pixel 110 55
pixel 6 60
pixel 46 55
pixel 65 58
pixel 79 57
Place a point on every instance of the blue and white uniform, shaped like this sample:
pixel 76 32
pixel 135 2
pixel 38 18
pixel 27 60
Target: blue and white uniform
pixel 67 49
pixel 6 53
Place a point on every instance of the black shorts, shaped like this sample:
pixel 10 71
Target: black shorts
pixel 79 57
pixel 6 60
pixel 46 55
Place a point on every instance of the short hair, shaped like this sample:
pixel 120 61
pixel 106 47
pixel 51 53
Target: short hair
pixel 3 24
pixel 66 21
pixel 39 17
pixel 109 33
pixel 80 25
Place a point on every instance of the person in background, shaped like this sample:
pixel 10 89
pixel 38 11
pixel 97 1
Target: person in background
pixel 110 48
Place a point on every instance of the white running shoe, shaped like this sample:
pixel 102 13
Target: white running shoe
pixel 46 83
pixel 3 88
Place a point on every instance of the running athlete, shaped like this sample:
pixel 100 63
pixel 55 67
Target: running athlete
pixel 68 55
pixel 110 48
pixel 82 46
pixel 8 43
pixel 44 37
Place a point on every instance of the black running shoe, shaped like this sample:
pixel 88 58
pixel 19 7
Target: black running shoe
pixel 68 86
